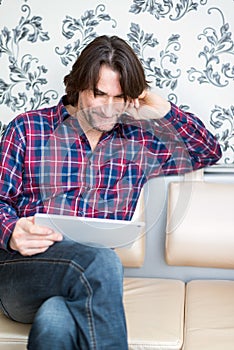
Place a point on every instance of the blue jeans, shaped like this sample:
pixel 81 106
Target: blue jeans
pixel 72 294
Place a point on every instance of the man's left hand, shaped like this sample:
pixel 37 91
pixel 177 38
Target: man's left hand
pixel 148 106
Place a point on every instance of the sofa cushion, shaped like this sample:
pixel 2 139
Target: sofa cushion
pixel 209 315
pixel 13 335
pixel 154 313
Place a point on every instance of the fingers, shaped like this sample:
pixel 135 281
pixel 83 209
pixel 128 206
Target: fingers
pixel 139 109
pixel 148 105
pixel 137 102
pixel 35 231
pixel 29 238
pixel 29 250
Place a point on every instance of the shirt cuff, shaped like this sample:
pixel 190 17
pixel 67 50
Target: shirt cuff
pixel 6 236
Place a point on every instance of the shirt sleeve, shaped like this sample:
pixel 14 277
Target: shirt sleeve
pixel 189 144
pixel 11 170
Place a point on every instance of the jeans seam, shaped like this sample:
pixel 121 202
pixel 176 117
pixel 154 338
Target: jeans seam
pixel 89 311
pixel 50 261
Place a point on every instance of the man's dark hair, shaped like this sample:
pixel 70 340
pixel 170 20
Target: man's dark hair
pixel 115 53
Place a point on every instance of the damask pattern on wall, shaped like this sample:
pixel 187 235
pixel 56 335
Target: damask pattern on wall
pixel 175 10
pixel 25 72
pixel 186 48
pixel 217 71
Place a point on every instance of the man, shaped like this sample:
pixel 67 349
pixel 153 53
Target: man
pixel 88 156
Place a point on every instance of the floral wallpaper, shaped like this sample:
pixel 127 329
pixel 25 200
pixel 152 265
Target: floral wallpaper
pixel 186 48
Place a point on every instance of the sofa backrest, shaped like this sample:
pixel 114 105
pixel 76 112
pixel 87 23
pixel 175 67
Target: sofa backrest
pixel 200 231
pixel 156 193
pixel 134 255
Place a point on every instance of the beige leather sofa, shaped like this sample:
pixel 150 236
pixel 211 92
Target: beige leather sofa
pixel 179 279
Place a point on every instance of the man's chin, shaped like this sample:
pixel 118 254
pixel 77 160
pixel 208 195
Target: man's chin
pixel 103 128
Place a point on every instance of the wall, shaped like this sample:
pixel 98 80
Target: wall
pixel 186 48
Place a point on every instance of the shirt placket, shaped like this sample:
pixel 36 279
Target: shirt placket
pixel 92 203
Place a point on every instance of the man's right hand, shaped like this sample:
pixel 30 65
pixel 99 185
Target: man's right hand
pixel 30 239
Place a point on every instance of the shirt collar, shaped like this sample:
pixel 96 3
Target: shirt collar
pixel 63 111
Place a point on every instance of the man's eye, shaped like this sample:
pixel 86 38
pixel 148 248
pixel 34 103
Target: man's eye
pixel 119 97
pixel 98 93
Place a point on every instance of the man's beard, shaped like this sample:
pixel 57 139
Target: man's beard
pixel 99 122
pixel 97 119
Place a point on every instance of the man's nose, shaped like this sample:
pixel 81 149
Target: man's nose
pixel 109 108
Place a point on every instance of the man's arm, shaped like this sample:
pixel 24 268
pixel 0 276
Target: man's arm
pixel 197 146
pixel 18 234
pixel 189 145
pixel 11 171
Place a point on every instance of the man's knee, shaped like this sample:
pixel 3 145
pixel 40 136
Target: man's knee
pixel 52 323
pixel 109 266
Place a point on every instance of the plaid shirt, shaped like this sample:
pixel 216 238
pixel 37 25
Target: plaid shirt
pixel 47 165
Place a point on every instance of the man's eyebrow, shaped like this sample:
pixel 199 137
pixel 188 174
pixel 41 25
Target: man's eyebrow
pixel 98 91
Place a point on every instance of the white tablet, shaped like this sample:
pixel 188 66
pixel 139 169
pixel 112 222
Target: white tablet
pixel 90 231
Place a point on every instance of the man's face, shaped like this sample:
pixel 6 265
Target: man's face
pixel 101 112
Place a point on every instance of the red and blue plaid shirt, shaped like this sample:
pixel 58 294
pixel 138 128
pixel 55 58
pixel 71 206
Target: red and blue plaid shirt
pixel 47 165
